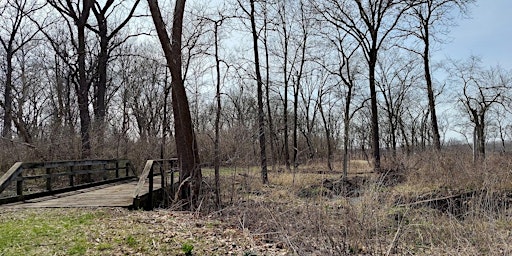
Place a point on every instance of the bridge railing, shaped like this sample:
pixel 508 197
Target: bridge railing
pixel 28 180
pixel 165 168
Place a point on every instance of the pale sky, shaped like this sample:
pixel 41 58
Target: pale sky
pixel 487 33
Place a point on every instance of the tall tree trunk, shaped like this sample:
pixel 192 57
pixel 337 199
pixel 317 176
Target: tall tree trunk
pixel 374 108
pixel 346 134
pixel 285 108
pixel 100 88
pixel 295 124
pixel 186 144
pixel 430 92
pixel 480 133
pixel 83 85
pixel 7 122
pixel 327 136
pixel 217 119
pixel 346 131
pixel 261 114
pixel 101 82
pixel 296 91
pixel 267 94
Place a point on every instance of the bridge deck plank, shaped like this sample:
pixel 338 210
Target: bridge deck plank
pixel 118 195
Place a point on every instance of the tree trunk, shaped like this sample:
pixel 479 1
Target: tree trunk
pixel 346 134
pixel 186 144
pixel 346 131
pixel 327 136
pixel 430 92
pixel 295 125
pixel 101 82
pixel 100 89
pixel 261 114
pixel 285 109
pixel 267 94
pixel 217 120
pixel 83 85
pixel 6 132
pixel 374 108
pixel 480 134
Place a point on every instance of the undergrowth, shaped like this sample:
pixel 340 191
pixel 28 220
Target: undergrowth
pixel 427 204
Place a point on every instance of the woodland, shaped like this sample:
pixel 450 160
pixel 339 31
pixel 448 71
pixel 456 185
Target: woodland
pixel 311 127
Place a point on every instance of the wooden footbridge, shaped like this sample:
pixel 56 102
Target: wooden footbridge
pixel 87 183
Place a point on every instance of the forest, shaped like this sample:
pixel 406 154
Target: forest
pixel 319 127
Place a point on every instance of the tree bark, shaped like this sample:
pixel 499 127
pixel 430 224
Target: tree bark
pixel 430 92
pixel 83 83
pixel 186 144
pixel 272 135
pixel 374 108
pixel 100 87
pixel 327 130
pixel 285 102
pixel 217 118
pixel 7 122
pixel 261 114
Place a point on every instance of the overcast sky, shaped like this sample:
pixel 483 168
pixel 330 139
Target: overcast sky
pixel 487 33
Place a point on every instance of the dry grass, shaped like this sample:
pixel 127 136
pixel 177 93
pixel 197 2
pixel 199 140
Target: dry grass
pixel 299 214
pixel 377 222
pixel 106 231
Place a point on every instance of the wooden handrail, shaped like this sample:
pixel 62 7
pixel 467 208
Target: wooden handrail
pixel 148 173
pixel 19 172
pixel 10 175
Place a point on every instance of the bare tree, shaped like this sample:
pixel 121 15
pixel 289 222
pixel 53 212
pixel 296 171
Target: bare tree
pixel 370 23
pixel 396 76
pixel 285 36
pixel 265 38
pixel 79 12
pixel 305 23
pixel 102 14
pixel 427 16
pixel 217 23
pixel 345 67
pixel 259 81
pixel 14 35
pixel 326 102
pixel 186 144
pixel 482 90
pixel 251 12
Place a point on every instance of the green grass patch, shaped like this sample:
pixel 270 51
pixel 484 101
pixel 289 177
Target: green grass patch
pixel 32 232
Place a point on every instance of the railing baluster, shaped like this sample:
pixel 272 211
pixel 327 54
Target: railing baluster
pixel 105 175
pixel 162 173
pixel 151 188
pixel 48 179
pixel 89 176
pixel 71 177
pixel 19 185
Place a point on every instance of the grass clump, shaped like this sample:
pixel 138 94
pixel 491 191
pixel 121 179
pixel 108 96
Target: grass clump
pixel 187 249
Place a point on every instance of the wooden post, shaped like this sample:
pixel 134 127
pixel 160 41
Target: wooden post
pixel 71 177
pixel 105 176
pixel 89 177
pixel 151 188
pixel 19 185
pixel 117 168
pixel 48 179
pixel 162 173
pixel 173 167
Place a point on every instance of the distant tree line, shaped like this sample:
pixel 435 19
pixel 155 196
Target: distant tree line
pixel 276 83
